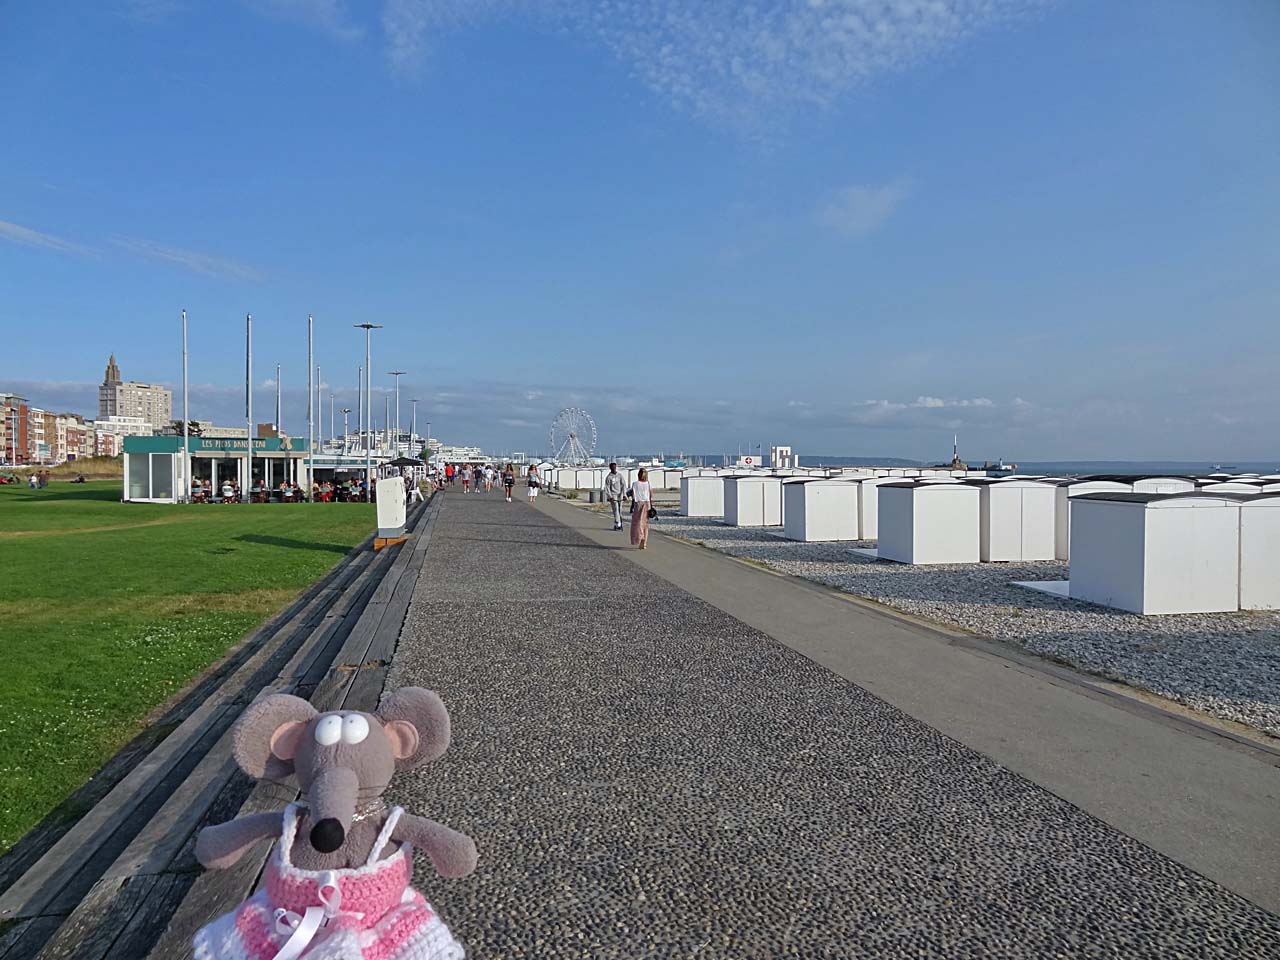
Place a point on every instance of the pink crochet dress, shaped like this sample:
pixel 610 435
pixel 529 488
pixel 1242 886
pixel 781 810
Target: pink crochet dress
pixel 364 913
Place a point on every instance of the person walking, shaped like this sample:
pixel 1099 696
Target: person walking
pixel 641 503
pixel 614 488
pixel 509 480
pixel 534 480
pixel 466 478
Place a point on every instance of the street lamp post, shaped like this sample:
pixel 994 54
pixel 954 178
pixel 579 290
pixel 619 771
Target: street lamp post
pixel 278 430
pixel 345 434
pixel 331 437
pixel 368 329
pixel 413 423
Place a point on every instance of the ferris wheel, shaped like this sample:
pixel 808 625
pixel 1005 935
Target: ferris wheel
pixel 573 436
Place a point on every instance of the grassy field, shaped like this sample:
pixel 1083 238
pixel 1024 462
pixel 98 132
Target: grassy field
pixel 106 609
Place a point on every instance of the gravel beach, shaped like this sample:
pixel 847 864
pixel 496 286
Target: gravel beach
pixel 1224 664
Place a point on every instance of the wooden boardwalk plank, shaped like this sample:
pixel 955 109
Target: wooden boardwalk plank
pixel 31 936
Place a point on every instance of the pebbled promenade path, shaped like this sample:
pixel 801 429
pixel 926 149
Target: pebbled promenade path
pixel 648 777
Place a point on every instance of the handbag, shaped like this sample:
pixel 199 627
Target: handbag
pixel 652 513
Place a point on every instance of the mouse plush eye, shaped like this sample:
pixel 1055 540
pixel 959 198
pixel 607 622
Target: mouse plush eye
pixel 354 728
pixel 329 730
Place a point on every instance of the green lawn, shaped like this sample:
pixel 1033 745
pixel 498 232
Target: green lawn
pixel 107 608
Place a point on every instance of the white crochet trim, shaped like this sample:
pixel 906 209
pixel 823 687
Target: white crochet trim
pixel 384 836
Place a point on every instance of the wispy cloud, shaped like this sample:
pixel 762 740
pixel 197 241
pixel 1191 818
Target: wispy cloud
pixel 17 233
pixel 726 58
pixel 925 411
pixel 331 16
pixel 193 260
pixel 855 211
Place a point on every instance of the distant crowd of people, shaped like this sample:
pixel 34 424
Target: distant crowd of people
pixel 486 477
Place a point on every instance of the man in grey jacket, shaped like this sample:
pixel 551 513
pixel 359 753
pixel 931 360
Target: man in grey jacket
pixel 613 487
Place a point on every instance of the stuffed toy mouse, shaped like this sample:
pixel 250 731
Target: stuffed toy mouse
pixel 337 883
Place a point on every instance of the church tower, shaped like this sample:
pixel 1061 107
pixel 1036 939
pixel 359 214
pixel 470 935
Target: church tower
pixel 109 391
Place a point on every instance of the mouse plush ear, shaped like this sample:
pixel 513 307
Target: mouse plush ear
pixel 417 724
pixel 267 734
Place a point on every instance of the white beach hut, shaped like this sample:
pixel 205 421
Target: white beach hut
pixel 782 500
pixel 1155 554
pixel 1232 486
pixel 1163 485
pixel 928 523
pixel 1065 492
pixel 1016 520
pixel 820 510
pixel 1260 553
pixel 753 501
pixel 702 497
pixel 868 505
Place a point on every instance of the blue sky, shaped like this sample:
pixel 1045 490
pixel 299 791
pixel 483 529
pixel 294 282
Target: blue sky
pixel 856 226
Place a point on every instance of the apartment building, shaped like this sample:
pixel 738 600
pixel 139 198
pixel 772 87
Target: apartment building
pixel 13 429
pixel 131 398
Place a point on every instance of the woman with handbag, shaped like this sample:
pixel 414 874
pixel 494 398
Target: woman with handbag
pixel 641 509
pixel 535 481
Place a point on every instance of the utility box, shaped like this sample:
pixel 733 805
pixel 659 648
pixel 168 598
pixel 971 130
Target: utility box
pixel 1016 521
pixel 1260 553
pixel 1154 554
pixel 924 523
pixel 820 510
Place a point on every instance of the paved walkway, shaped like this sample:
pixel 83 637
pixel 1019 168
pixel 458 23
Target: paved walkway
pixel 648 776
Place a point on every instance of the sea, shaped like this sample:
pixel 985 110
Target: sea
pixel 1058 468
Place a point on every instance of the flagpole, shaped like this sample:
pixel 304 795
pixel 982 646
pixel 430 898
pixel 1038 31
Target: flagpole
pixel 311 469
pixel 248 406
pixel 368 329
pixel 186 420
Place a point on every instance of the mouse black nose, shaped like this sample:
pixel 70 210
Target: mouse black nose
pixel 327 835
